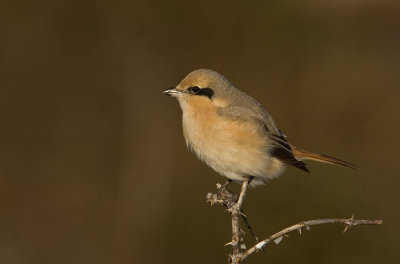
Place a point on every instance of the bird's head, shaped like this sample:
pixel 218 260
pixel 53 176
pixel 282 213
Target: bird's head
pixel 202 88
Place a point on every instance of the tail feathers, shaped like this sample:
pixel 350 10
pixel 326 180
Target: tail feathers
pixel 307 155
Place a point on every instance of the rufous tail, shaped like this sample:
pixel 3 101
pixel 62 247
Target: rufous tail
pixel 308 155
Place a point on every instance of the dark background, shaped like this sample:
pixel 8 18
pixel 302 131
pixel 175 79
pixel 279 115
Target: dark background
pixel 93 165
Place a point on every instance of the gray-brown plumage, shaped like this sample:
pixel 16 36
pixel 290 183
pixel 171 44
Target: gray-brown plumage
pixel 232 133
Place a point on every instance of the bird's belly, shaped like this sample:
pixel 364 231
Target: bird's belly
pixel 234 149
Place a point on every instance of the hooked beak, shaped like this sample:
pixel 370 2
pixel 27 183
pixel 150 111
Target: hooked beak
pixel 173 92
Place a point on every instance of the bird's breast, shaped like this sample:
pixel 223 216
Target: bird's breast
pixel 233 148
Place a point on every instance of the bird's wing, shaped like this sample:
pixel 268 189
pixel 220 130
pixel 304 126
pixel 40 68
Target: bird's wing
pixel 281 148
pixel 251 112
pixel 283 151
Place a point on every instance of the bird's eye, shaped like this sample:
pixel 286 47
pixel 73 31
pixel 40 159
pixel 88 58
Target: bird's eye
pixel 195 89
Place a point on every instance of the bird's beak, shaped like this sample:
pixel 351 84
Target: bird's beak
pixel 173 92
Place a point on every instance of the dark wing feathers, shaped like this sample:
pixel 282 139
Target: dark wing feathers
pixel 283 152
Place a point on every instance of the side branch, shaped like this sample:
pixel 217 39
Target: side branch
pixel 306 224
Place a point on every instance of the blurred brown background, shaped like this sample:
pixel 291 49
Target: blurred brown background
pixel 93 166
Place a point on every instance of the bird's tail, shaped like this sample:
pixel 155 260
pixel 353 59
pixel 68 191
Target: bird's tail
pixel 307 155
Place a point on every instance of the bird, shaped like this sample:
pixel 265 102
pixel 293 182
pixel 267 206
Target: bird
pixel 233 133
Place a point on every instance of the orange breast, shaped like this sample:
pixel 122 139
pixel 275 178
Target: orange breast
pixel 233 148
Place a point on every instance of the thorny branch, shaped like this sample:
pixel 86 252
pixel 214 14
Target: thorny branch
pixel 235 212
pixel 306 224
pixel 233 202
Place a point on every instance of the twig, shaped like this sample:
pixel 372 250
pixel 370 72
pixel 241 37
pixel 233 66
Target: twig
pixel 227 198
pixel 306 224
pixel 246 222
pixel 233 203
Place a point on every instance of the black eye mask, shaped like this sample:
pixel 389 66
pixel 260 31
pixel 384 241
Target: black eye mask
pixel 201 91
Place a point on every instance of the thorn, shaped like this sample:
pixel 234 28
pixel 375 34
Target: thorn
pixel 299 231
pixel 352 217
pixel 228 244
pixel 260 245
pixel 263 250
pixel 286 235
pixel 349 223
pixel 308 227
pixel 231 243
pixel 278 240
pixel 242 246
